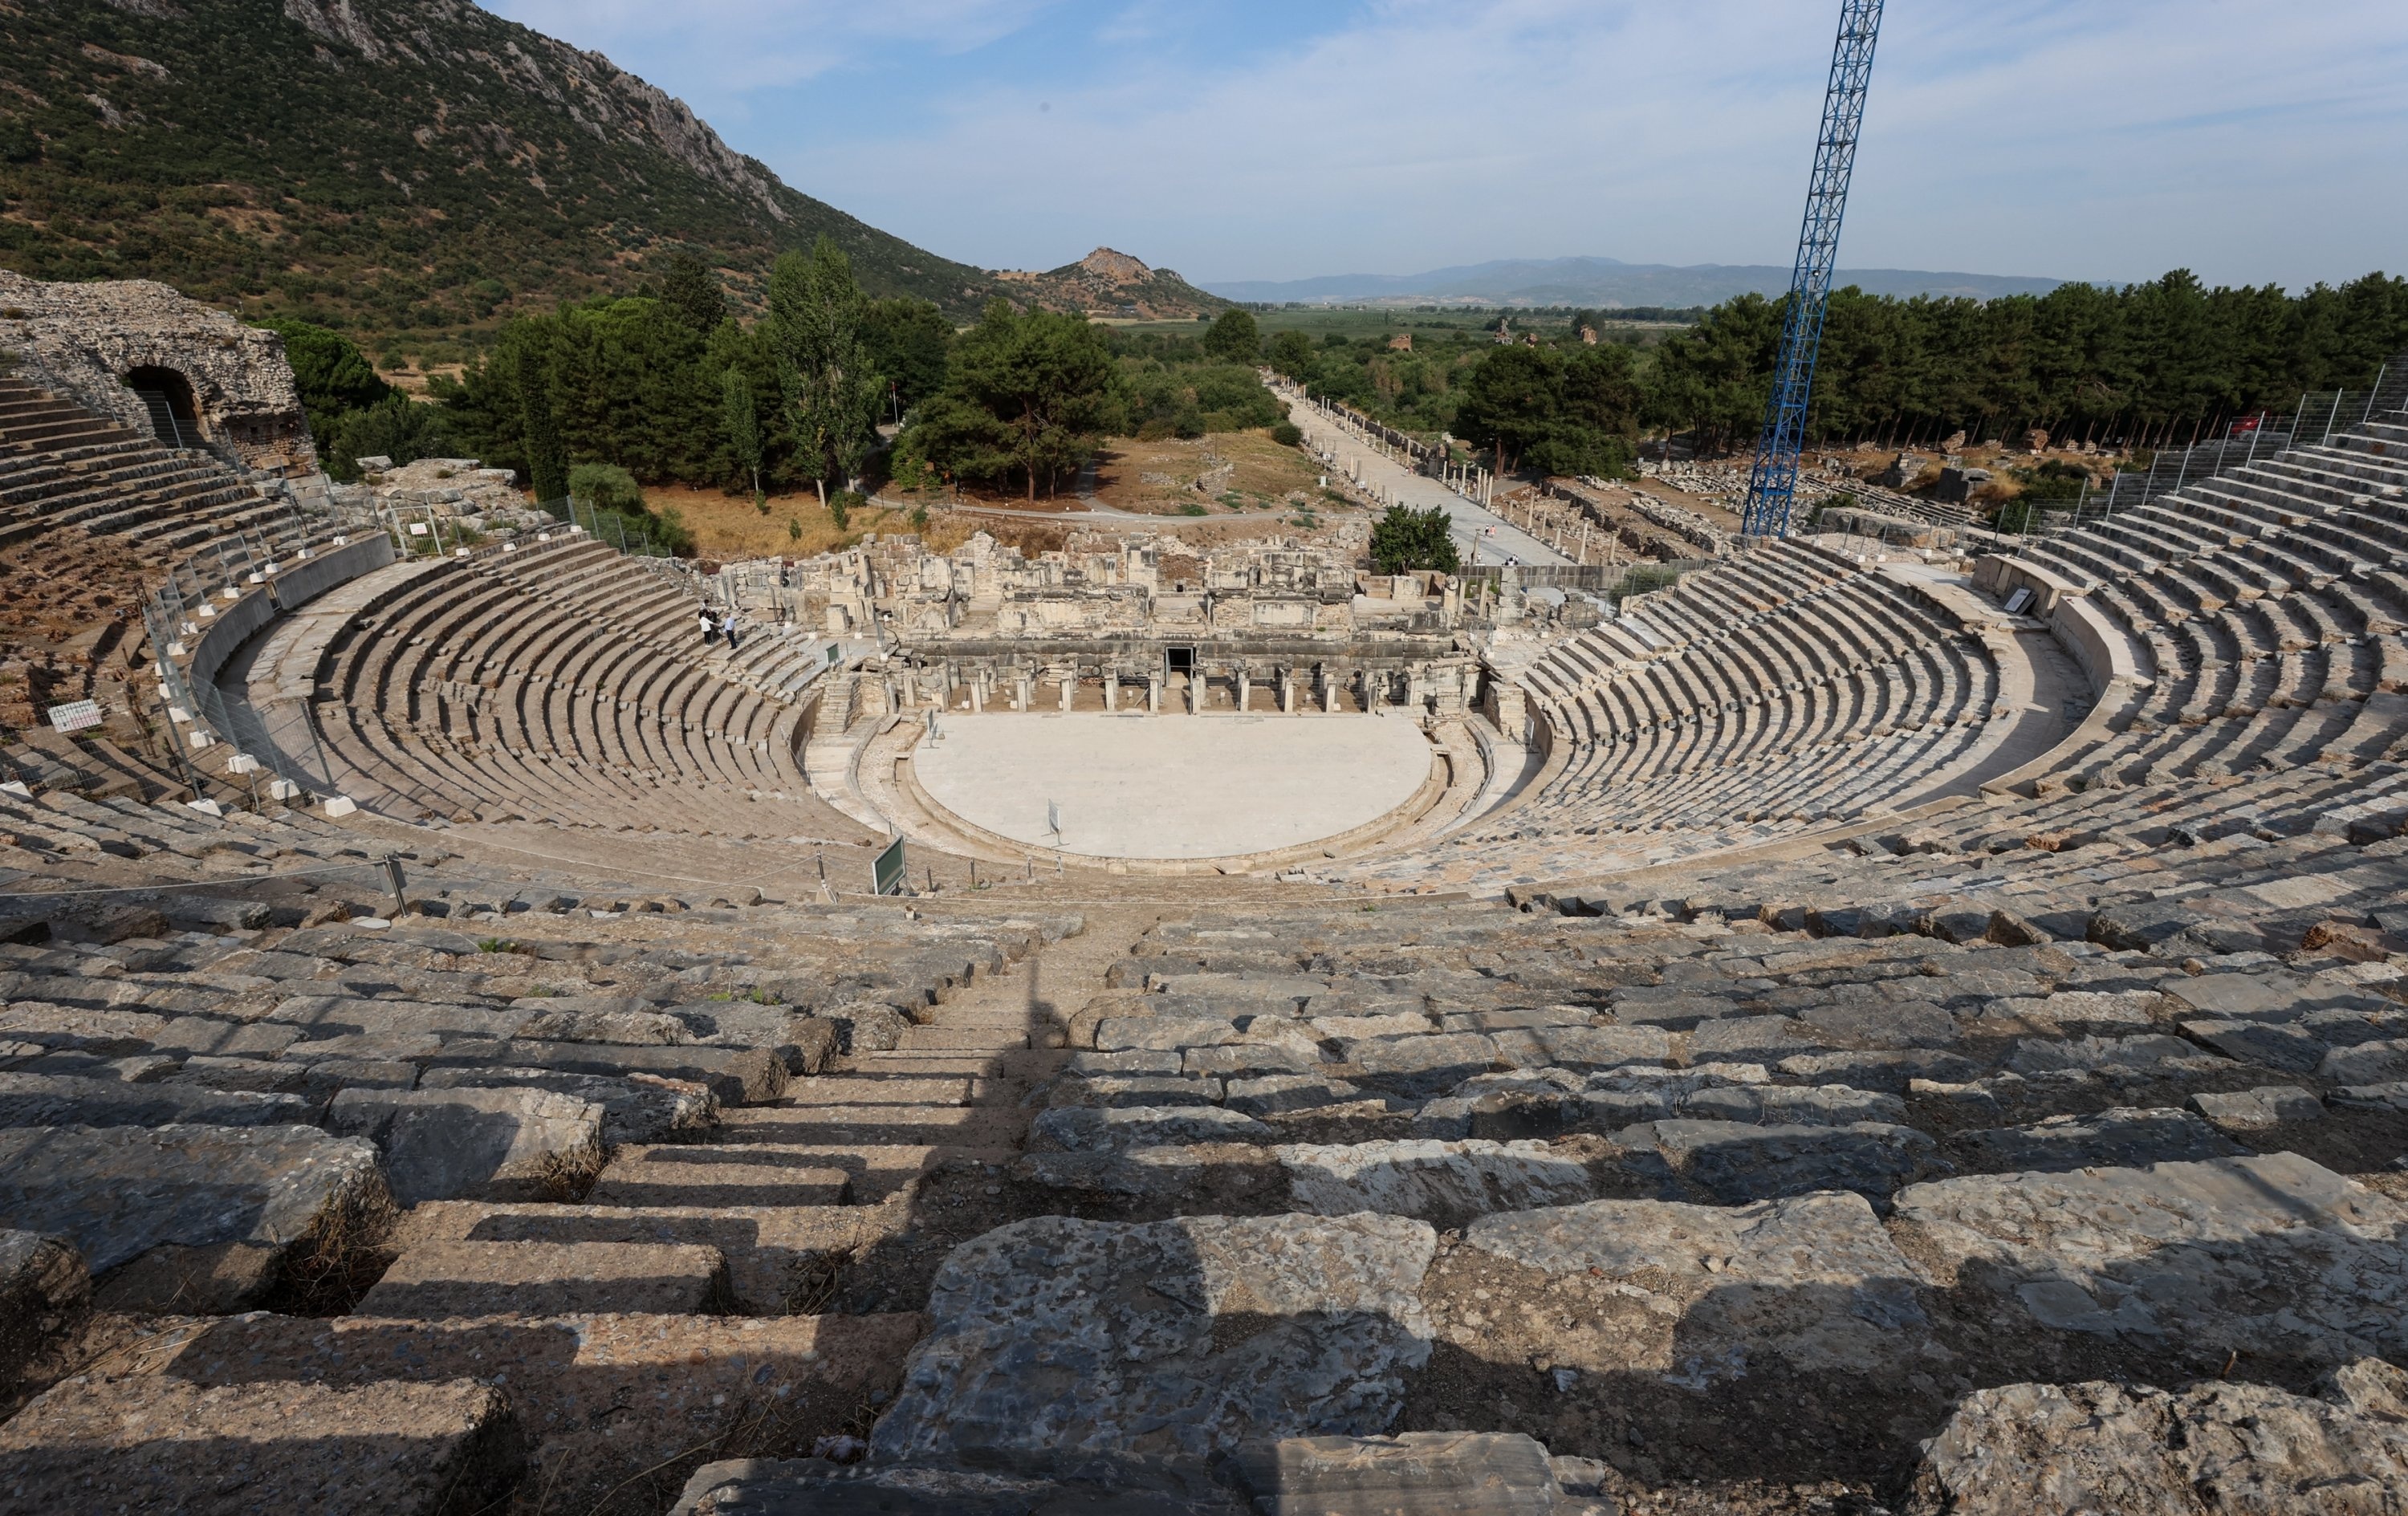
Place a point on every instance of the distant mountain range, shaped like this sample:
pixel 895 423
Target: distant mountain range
pixel 1606 282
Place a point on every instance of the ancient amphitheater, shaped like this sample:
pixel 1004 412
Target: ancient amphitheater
pixel 1813 1039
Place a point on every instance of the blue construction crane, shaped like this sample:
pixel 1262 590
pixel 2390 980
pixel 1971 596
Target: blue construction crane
pixel 1774 481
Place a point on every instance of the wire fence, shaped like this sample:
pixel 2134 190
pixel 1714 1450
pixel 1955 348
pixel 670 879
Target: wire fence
pixel 2315 421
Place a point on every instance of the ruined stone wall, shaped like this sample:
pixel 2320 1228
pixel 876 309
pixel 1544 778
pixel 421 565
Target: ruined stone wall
pixel 80 341
pixel 1099 584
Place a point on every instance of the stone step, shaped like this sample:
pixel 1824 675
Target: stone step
pixel 779 1257
pixel 152 1443
pixel 1000 1037
pixel 721 1173
pixel 905 1126
pixel 609 1405
pixel 434 1281
pixel 866 1088
pixel 935 1064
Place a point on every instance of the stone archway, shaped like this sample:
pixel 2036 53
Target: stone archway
pixel 167 396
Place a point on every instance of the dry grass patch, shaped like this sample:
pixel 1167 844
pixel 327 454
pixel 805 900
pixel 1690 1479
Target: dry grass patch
pixel 1158 477
pixel 729 526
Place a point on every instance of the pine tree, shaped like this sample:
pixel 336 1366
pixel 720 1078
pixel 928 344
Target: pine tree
pixel 690 288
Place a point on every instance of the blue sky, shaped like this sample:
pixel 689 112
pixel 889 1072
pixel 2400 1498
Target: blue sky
pixel 2251 140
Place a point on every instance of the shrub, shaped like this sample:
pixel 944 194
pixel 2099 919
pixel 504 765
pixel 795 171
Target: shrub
pixel 1287 434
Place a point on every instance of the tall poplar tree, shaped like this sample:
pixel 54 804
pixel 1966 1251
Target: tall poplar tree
pixel 743 430
pixel 832 389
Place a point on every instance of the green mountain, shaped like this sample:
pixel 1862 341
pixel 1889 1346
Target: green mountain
pixel 410 170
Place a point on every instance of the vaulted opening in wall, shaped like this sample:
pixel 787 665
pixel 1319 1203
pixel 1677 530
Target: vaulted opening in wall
pixel 1180 660
pixel 167 395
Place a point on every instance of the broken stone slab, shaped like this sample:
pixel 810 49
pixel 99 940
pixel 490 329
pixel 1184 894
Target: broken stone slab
pixel 153 1443
pixel 1132 1062
pixel 2147 927
pixel 1443 1183
pixel 2122 1138
pixel 322 1016
pixel 1688 1295
pixel 1094 1129
pixel 1241 1059
pixel 43 1286
pixel 1424 1066
pixel 435 1280
pixel 600 1399
pixel 2368 1063
pixel 1734 1163
pixel 1388 1023
pixel 1135 1090
pixel 2272 1255
pixel 1775 1105
pixel 506 1144
pixel 646 1027
pixel 1412 1474
pixel 737 1076
pixel 1270 1095
pixel 2391 1096
pixel 1605 1046
pixel 1089 1485
pixel 118 1193
pixel 2099 1011
pixel 1752 1040
pixel 1916 1024
pixel 2253 1110
pixel 1538 1019
pixel 61 1100
pixel 1187 1337
pixel 1890 1070
pixel 2271 996
pixel 2216 1447
pixel 2269 1045
pixel 1121 1033
pixel 2151 1051
pixel 637 1107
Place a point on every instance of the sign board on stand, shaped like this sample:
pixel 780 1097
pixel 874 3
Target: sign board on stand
pixel 886 873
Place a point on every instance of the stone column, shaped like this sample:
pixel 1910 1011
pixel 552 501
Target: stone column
pixel 1329 692
pixel 1111 690
pixel 1070 684
pixel 1194 693
pixel 1153 694
pixel 1019 692
pixel 978 696
pixel 1245 691
pixel 1288 691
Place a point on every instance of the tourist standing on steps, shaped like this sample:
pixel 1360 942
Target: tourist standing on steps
pixel 729 627
pixel 710 625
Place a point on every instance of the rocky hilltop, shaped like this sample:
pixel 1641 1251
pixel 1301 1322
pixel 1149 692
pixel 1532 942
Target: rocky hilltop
pixel 396 165
pixel 1111 283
